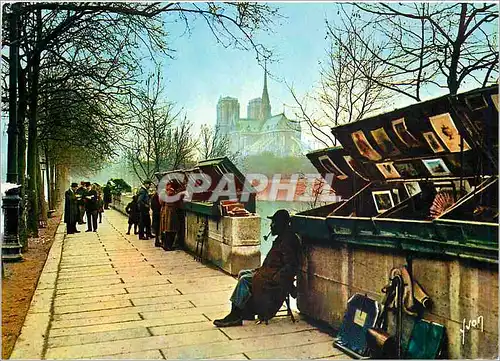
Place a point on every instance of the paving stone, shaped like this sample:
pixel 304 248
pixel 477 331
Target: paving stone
pixel 123 310
pixel 41 301
pixel 230 347
pixel 238 356
pixel 89 292
pixel 97 337
pixel 143 355
pixel 134 345
pixel 187 311
pixel 90 283
pixel 86 290
pixel 183 328
pixel 276 326
pixel 94 321
pixel 91 299
pixel 85 307
pixel 186 319
pixel 198 299
pixel 303 352
pixel 29 344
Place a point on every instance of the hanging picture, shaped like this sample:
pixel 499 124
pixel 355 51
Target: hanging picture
pixel 436 167
pixel 403 134
pixel 387 169
pixel 364 148
pixel 447 131
pixel 353 164
pixel 331 167
pixel 384 142
pixel 407 170
pixel 494 97
pixel 383 200
pixel 433 142
pixel 412 188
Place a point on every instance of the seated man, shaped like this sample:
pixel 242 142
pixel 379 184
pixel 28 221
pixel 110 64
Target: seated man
pixel 263 290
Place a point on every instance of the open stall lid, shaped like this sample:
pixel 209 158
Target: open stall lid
pixel 449 136
pixel 344 174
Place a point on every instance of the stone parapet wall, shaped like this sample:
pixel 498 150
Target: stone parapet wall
pixel 233 242
pixel 120 202
pixel 460 290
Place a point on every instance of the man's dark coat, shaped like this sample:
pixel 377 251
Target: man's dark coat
pixel 273 281
pixel 71 212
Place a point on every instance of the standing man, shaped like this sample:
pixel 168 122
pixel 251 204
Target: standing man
pixel 144 218
pixel 81 192
pixel 107 195
pixel 91 207
pixel 71 212
pixel 262 291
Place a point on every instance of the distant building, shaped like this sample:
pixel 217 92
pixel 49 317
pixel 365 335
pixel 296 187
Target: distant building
pixel 260 131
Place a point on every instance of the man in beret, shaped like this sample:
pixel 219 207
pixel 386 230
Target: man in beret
pixel 71 211
pixel 262 291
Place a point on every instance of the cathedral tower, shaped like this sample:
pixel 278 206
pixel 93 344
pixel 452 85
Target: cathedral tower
pixel 265 112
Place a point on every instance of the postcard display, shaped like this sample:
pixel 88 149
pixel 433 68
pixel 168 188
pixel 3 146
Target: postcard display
pixel 432 164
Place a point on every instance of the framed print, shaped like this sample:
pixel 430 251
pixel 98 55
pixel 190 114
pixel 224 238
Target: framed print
pixel 383 200
pixel 412 188
pixel 364 148
pixel 403 134
pixel 436 167
pixel 494 97
pixel 407 170
pixel 351 162
pixel 384 142
pixel 447 131
pixel 433 142
pixel 387 169
pixel 476 102
pixel 331 167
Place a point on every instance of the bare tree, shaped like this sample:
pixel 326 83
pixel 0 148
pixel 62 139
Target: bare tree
pixel 443 45
pixel 214 144
pixel 347 91
pixel 150 136
pixel 101 44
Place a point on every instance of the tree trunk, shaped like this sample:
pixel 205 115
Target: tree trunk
pixel 48 167
pixel 55 199
pixel 21 160
pixel 33 137
pixel 42 203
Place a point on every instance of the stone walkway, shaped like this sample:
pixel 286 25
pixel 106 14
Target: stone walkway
pixel 108 295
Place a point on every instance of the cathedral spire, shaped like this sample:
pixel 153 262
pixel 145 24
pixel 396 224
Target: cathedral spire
pixel 266 105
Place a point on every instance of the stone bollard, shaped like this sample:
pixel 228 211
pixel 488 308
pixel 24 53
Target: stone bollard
pixel 11 248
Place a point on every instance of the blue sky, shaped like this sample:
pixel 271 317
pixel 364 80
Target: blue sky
pixel 204 70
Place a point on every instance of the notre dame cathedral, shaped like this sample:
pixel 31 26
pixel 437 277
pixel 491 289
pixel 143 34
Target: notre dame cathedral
pixel 260 131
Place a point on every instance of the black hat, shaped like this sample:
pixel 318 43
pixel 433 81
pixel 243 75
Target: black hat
pixel 87 184
pixel 74 185
pixel 281 216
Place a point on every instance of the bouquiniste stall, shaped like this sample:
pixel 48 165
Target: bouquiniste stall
pixel 419 188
